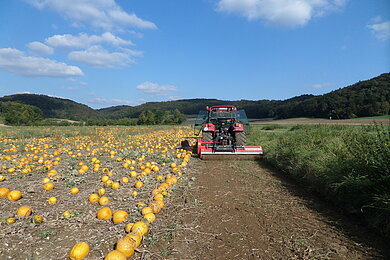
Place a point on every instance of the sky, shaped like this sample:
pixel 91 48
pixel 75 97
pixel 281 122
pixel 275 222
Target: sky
pixel 127 52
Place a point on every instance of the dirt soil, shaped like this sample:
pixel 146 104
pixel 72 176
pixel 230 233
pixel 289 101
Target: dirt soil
pixel 244 210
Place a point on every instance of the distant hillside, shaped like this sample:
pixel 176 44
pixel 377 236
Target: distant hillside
pixel 53 107
pixel 365 98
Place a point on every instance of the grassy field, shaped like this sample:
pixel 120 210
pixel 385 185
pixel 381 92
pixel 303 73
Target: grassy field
pixel 348 165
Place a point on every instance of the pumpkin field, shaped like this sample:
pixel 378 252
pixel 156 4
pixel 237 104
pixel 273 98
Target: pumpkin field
pixel 84 195
pixel 130 192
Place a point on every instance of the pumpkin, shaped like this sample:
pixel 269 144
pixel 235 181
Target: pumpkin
pixel 158 197
pixel 79 251
pixel 138 184
pixel 140 228
pixel 136 237
pixel 119 216
pixel 104 213
pixel 24 211
pixel 128 227
pixel 67 214
pixel 37 219
pixel 74 190
pixel 125 179
pixel 93 198
pixel 150 217
pixel 155 207
pixel 2 178
pixel 102 191
pixel 14 195
pixel 159 178
pixel 115 255
pixel 125 245
pixel 4 192
pixel 103 201
pixel 52 200
pixel 10 220
pixel 146 210
pixel 115 185
pixel 134 194
pixel 48 186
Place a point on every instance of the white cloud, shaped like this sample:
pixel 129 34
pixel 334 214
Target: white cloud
pixel 285 13
pixel 15 61
pixel 155 89
pixel 322 85
pixel 106 14
pixel 39 48
pixel 68 41
pixel 380 30
pixel 98 57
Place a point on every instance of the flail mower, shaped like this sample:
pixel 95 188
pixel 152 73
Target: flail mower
pixel 222 134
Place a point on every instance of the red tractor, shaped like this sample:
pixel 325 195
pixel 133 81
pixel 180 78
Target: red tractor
pixel 223 130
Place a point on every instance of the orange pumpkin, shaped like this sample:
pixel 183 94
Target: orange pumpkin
pixel 4 192
pixel 24 211
pixel 14 195
pixel 125 245
pixel 115 255
pixel 79 251
pixel 140 228
pixel 104 213
pixel 119 216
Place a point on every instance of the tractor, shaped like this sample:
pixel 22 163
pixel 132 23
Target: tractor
pixel 222 131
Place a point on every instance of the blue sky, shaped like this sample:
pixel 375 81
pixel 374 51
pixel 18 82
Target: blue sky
pixel 105 52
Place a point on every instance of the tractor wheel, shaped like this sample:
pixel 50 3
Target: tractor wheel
pixel 207 136
pixel 240 138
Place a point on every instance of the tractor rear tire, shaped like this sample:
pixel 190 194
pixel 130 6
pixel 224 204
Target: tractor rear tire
pixel 240 138
pixel 207 136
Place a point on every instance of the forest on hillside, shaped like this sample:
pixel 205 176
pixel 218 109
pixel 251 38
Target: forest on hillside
pixel 365 98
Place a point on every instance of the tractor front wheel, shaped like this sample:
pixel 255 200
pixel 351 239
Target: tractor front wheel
pixel 207 136
pixel 240 138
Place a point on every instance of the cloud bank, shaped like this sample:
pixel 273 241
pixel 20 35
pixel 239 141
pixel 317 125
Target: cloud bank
pixel 284 13
pixel 15 61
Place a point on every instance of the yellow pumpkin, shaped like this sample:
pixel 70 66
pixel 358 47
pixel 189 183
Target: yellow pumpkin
pixel 93 198
pixel 119 216
pixel 125 245
pixel 104 213
pixel 103 201
pixel 146 210
pixel 115 255
pixel 128 227
pixel 14 195
pixel 74 190
pixel 155 207
pixel 48 186
pixel 52 200
pixel 136 237
pixel 115 185
pixel 37 219
pixel 24 211
pixel 140 228
pixel 138 184
pixel 101 191
pixel 158 197
pixel 150 217
pixel 79 251
pixel 4 192
pixel 10 220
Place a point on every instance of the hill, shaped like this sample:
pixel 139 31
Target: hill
pixel 365 98
pixel 53 107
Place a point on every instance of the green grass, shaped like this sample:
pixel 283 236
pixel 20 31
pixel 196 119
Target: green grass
pixel 348 165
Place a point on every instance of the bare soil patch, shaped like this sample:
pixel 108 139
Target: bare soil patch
pixel 242 210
